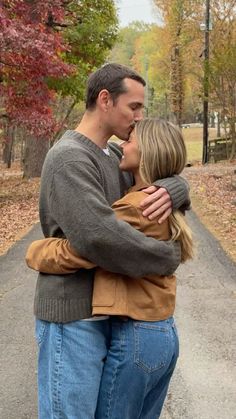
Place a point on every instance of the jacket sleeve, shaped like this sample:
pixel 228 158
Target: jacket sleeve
pixel 90 225
pixel 54 256
pixel 178 189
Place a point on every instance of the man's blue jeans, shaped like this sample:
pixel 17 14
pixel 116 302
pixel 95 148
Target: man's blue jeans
pixel 70 366
pixel 138 369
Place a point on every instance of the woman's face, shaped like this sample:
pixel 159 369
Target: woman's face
pixel 131 154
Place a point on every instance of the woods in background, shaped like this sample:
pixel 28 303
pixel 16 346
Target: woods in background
pixel 171 58
pixel 49 48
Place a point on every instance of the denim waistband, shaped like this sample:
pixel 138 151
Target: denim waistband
pixel 124 319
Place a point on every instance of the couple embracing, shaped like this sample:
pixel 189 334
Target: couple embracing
pixel 113 218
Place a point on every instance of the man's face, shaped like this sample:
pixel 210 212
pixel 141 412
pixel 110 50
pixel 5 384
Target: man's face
pixel 127 109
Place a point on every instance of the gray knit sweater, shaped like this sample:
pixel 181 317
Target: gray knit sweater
pixel 79 183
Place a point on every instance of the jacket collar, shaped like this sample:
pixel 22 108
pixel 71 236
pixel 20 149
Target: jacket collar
pixel 139 186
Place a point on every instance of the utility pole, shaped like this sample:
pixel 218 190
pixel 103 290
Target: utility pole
pixel 206 85
pixel 146 104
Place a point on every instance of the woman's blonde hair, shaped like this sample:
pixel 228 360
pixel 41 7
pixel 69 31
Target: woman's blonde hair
pixel 163 154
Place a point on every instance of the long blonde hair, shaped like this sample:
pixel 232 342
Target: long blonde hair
pixel 163 154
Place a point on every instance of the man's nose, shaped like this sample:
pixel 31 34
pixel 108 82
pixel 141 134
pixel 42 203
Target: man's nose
pixel 138 115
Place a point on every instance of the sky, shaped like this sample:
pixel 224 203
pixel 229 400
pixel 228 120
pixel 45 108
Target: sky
pixel 142 10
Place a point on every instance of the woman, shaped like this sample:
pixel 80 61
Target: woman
pixel 144 343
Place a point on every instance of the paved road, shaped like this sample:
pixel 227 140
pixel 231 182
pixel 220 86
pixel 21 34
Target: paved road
pixel 204 385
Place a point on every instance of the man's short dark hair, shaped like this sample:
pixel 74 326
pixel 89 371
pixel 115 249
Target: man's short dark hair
pixel 109 77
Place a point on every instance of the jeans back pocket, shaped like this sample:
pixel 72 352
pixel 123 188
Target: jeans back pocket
pixel 152 345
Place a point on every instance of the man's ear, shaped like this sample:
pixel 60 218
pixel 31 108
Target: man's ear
pixel 104 99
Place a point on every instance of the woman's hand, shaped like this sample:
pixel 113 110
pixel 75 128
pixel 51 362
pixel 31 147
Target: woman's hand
pixel 157 204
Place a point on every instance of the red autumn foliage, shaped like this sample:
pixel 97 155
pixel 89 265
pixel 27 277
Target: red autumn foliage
pixel 31 51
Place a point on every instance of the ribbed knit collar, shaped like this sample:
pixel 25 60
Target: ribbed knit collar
pixel 75 135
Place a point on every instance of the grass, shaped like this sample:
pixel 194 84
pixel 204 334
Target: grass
pixel 194 151
pixel 194 139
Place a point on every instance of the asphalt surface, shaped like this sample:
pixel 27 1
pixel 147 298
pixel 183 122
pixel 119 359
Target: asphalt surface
pixel 204 383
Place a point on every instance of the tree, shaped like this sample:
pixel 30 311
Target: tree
pixel 223 64
pixel 151 60
pixel 30 52
pixel 125 46
pixel 48 50
pixel 90 30
pixel 90 33
pixel 135 47
pixel 180 20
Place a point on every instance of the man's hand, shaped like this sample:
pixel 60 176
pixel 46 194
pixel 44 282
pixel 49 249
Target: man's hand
pixel 157 204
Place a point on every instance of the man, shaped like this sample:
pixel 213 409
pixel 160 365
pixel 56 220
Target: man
pixel 80 180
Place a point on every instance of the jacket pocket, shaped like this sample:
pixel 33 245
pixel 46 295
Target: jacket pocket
pixel 104 291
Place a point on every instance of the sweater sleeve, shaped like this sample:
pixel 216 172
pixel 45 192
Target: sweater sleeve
pixel 79 206
pixel 178 189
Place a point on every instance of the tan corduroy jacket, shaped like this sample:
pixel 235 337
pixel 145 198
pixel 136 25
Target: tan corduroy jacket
pixel 149 298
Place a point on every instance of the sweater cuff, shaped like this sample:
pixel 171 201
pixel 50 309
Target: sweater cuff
pixel 178 189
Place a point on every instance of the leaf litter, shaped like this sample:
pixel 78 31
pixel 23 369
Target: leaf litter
pixel 212 193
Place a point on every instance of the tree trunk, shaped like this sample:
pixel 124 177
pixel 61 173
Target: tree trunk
pixel 62 124
pixel 233 138
pixel 233 149
pixel 8 146
pixel 176 95
pixel 35 153
pixel 218 124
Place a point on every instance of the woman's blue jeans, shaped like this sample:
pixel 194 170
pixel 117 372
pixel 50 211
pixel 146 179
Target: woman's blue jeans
pixel 70 366
pixel 134 382
pixel 138 369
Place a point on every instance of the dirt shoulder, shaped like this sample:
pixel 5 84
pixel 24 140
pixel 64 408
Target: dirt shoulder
pixel 212 192
pixel 213 195
pixel 18 206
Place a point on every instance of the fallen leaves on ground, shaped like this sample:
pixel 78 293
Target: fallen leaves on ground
pixel 212 193
pixel 18 207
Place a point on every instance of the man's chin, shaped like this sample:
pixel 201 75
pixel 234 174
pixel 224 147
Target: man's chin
pixel 125 134
pixel 123 137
